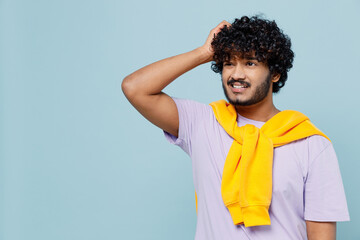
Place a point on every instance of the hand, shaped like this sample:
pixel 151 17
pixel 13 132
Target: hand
pixel 207 48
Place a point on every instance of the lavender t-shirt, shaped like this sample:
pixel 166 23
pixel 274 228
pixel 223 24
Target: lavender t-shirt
pixel 307 184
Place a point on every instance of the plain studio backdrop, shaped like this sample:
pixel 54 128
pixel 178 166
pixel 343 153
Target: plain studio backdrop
pixel 77 161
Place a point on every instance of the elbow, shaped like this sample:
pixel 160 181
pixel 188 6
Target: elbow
pixel 127 87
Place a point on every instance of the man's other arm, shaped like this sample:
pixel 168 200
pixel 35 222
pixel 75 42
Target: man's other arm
pixel 143 88
pixel 321 230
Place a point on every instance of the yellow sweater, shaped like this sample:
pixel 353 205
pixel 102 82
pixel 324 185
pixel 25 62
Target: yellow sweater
pixel 246 185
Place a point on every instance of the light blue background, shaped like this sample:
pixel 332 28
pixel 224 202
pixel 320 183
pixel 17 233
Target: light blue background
pixel 78 162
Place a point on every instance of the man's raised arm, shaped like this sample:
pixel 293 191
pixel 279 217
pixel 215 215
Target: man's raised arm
pixel 143 88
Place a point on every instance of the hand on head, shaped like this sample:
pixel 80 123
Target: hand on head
pixel 207 48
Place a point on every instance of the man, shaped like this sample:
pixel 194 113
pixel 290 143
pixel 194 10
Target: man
pixel 259 173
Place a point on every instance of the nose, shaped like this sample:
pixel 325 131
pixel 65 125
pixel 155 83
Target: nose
pixel 238 72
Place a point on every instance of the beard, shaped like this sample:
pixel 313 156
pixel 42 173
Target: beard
pixel 261 92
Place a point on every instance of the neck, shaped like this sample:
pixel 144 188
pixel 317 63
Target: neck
pixel 261 111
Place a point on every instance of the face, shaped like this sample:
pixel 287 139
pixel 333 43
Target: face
pixel 246 81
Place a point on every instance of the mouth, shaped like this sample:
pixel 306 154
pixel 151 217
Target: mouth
pixel 238 86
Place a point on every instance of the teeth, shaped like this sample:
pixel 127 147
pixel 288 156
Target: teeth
pixel 234 86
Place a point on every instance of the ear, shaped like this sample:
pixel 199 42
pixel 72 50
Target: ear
pixel 275 77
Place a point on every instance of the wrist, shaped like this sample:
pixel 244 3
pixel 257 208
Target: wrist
pixel 205 55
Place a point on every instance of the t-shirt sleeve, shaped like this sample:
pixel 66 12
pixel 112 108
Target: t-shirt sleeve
pixel 324 198
pixel 190 114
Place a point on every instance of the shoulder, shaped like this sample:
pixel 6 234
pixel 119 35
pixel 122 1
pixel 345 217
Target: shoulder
pixel 192 108
pixel 313 144
pixel 321 154
pixel 306 151
pixel 189 103
pixel 195 119
pixel 317 144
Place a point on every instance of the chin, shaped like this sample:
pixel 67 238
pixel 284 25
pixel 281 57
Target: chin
pixel 238 98
pixel 236 101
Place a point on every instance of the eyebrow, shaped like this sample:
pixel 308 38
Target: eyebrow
pixel 250 58
pixel 246 57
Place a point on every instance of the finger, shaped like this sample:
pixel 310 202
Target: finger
pixel 217 29
pixel 225 23
pixel 221 26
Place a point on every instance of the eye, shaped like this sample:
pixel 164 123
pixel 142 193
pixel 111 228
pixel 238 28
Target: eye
pixel 227 64
pixel 250 64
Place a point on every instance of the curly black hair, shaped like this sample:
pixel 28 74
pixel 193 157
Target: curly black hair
pixel 255 34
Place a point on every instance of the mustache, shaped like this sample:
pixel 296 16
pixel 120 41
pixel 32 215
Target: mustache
pixel 242 82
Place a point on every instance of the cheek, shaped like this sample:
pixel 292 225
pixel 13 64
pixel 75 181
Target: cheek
pixel 223 79
pixel 225 73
